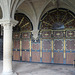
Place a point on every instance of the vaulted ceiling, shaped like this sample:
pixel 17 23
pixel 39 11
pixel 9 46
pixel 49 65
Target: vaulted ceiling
pixel 34 9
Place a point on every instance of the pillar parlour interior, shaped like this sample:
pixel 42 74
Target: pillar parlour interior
pixel 55 42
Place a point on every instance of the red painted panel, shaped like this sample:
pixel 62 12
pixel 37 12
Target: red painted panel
pixel 46 34
pixel 35 46
pixel 16 35
pixel 70 33
pixel 25 56
pixel 16 44
pixel 35 56
pixel 70 44
pixel 58 57
pixel 70 57
pixel 25 35
pixel 46 57
pixel 25 44
pixel 58 34
pixel 58 44
pixel 16 55
pixel 47 44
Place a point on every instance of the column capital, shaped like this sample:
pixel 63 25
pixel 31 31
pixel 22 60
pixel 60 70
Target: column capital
pixel 35 34
pixel 11 22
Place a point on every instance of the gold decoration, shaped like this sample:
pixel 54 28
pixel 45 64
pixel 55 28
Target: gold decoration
pixel 25 34
pixel 58 51
pixel 41 48
pixel 16 49
pixel 69 22
pixel 70 51
pixel 30 47
pixel 70 33
pixel 64 49
pixel 46 34
pixel 58 34
pixel 20 48
pixel 52 48
pixel 25 24
pixel 21 21
pixel 64 17
pixel 47 23
pixel 16 35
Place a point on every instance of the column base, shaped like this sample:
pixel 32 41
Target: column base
pixel 8 74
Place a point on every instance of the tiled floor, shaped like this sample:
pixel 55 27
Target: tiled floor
pixel 23 68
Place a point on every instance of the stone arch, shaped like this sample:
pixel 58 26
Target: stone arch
pixel 23 22
pixel 15 10
pixel 50 8
pixel 15 7
pixel 71 14
pixel 25 15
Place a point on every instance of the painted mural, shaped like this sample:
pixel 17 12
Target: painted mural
pixel 56 41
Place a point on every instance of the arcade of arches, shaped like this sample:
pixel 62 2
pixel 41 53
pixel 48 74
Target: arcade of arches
pixel 46 38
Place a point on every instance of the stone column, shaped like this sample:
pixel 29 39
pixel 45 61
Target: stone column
pixel 7 48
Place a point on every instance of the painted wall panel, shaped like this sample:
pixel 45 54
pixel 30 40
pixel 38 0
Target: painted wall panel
pixel 25 56
pixel 16 44
pixel 16 55
pixel 70 57
pixel 70 44
pixel 58 57
pixel 46 44
pixel 25 44
pixel 35 56
pixel 46 58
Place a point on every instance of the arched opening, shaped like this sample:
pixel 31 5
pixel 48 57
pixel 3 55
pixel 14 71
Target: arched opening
pixel 24 23
pixel 63 17
pixel 57 31
pixel 22 38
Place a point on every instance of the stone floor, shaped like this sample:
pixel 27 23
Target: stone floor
pixel 23 68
